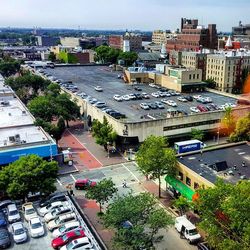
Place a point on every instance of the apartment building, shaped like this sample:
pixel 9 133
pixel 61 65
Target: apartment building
pixel 226 68
pixel 159 37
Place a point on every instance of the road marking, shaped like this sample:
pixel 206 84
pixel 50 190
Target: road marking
pixel 59 182
pixel 84 147
pixel 131 172
pixel 73 177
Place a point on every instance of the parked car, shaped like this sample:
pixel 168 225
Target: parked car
pixel 66 238
pixel 82 243
pixel 56 212
pixel 189 98
pixel 84 184
pixel 203 246
pixel 92 101
pixel 12 213
pixel 4 204
pixel 182 99
pixel 60 220
pixel 53 198
pixel 155 94
pixel 132 97
pixel 67 227
pixel 152 85
pixel 159 105
pixel 118 98
pixel 125 97
pixel 152 105
pixel 29 211
pixel 3 221
pixel 51 206
pixel 145 95
pixel 100 104
pixel 171 103
pixel 5 240
pixel 229 105
pixel 98 88
pixel 138 96
pixel 144 106
pixel 197 96
pixel 202 108
pixel 194 109
pixel 137 88
pixel 36 227
pixel 19 232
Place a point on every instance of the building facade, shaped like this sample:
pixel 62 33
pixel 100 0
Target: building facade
pixel 47 41
pixel 226 69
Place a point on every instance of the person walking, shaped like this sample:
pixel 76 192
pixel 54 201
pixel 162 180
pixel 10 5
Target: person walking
pixel 124 184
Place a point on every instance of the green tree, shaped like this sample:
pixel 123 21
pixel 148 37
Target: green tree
pixel 130 215
pixel 28 174
pixel 53 89
pixel 225 215
pixel 52 57
pixel 242 130
pixel 182 204
pixel 103 132
pixel 102 192
pixel 228 120
pixel 210 83
pixel 197 134
pixel 155 160
pixel 128 57
pixel 105 54
pixel 9 67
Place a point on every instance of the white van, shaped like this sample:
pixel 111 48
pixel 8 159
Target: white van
pixel 187 229
pixel 12 213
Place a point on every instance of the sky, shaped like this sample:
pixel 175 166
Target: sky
pixel 122 14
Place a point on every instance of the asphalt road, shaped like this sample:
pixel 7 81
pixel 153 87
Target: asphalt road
pixel 87 77
pixel 118 173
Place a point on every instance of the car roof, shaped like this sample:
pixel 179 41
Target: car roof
pixel 81 240
pixel 35 219
pixel 28 205
pixel 72 223
pixel 67 215
pixel 17 225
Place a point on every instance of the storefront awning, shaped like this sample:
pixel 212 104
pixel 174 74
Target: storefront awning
pixel 179 186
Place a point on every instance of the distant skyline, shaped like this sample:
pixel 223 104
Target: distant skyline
pixel 125 14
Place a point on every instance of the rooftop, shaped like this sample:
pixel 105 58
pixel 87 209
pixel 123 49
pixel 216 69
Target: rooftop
pixel 227 163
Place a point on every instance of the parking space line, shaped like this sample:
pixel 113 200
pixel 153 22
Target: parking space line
pixel 59 182
pixel 84 147
pixel 131 172
pixel 73 177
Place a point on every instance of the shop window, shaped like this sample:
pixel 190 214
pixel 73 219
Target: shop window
pixel 188 181
pixel 180 176
pixel 196 185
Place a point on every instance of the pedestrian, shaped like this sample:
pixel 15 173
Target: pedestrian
pixel 71 192
pixel 124 184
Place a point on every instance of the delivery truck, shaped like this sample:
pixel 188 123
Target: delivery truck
pixel 188 146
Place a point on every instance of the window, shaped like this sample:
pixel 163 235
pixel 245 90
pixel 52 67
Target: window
pixel 193 76
pixel 196 185
pixel 180 176
pixel 197 76
pixel 188 181
pixel 190 77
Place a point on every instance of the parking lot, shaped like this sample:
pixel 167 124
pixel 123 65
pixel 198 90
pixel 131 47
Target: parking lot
pixel 87 77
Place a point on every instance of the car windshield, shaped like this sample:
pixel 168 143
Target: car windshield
pixel 19 231
pixel 30 211
pixel 62 229
pixel 54 212
pixel 65 237
pixel 36 225
pixel 14 212
pixel 48 206
pixel 70 245
pixel 57 221
pixel 3 235
pixel 192 232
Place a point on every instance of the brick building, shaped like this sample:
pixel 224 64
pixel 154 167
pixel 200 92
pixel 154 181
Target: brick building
pixel 194 36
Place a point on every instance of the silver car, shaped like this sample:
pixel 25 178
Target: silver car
pixel 19 232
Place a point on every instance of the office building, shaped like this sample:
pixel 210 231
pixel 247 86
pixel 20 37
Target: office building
pixel 47 41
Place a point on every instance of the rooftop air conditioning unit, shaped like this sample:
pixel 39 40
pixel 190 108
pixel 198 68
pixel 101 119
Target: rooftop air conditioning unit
pixel 17 138
pixel 23 112
pixel 12 139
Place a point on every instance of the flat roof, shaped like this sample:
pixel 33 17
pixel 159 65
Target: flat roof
pixel 234 155
pixel 14 113
pixel 25 135
pixel 87 77
pixel 186 142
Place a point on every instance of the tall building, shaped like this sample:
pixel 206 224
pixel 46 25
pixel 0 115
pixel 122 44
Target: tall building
pixel 117 41
pixel 226 68
pixel 194 36
pixel 47 41
pixel 241 29
pixel 159 37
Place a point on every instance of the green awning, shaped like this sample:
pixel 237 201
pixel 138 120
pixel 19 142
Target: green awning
pixel 179 186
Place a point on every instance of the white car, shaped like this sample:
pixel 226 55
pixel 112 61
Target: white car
pixel 118 98
pixel 67 227
pixel 152 85
pixel 19 232
pixel 194 109
pixel 145 95
pixel 29 211
pixel 132 96
pixel 81 243
pixel 125 97
pixel 60 220
pixel 36 227
pixel 228 104
pixel 171 103
pixel 182 99
pixel 144 106
pixel 56 212
pixel 98 88
pixel 197 96
pixel 155 94
pixel 164 101
pixel 51 206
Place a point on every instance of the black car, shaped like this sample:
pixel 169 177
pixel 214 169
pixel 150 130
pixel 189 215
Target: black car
pixel 138 96
pixel 189 98
pixel 152 105
pixel 56 197
pixel 203 246
pixel 5 241
pixel 4 204
pixel 138 88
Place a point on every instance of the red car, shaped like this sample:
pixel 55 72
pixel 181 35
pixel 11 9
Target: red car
pixel 66 238
pixel 84 184
pixel 202 108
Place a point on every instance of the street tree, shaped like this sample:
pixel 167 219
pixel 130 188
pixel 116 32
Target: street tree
pixel 130 215
pixel 103 132
pixel 105 54
pixel 228 120
pixel 128 57
pixel 28 174
pixel 9 67
pixel 224 211
pixel 155 160
pixel 183 204
pixel 242 130
pixel 197 134
pixel 102 192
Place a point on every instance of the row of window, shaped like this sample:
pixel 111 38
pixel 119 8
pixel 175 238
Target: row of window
pixel 193 124
pixel 210 66
pixel 188 181
pixel 190 76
